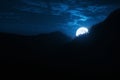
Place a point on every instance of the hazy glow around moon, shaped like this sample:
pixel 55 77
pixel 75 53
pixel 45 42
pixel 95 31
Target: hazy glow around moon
pixel 81 31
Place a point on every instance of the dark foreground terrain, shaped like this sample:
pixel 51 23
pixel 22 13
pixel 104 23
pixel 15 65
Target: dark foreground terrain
pixel 94 54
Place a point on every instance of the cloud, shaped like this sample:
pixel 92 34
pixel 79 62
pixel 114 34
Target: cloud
pixel 36 3
pixel 73 7
pixel 31 9
pixel 97 9
pixel 78 14
pixel 59 6
pixel 76 11
pixel 84 18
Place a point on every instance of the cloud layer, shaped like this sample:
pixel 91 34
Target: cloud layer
pixel 66 13
pixel 83 9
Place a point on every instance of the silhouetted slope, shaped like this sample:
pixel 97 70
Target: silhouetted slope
pixel 108 30
pixel 52 39
pixel 114 17
pixel 107 36
pixel 24 46
pixel 92 54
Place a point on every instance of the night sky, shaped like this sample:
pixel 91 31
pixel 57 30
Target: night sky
pixel 30 17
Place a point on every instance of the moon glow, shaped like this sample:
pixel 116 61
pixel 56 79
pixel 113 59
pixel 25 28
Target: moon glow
pixel 81 31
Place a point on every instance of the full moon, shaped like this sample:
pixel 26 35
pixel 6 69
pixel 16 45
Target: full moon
pixel 81 31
